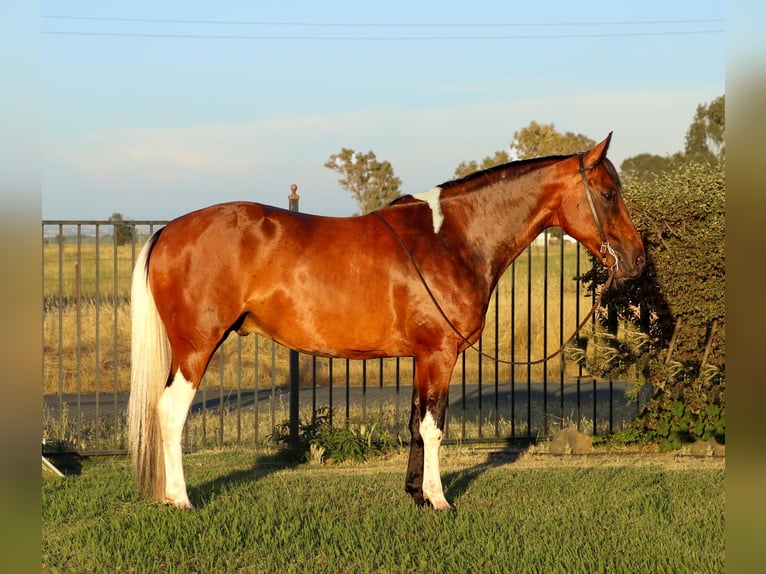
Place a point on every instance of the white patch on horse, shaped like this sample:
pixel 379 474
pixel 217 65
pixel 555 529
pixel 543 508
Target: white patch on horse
pixel 432 482
pixel 431 197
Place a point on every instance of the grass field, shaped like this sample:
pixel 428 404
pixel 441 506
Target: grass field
pixel 256 513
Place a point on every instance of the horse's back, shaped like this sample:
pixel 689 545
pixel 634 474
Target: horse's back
pixel 236 233
pixel 319 284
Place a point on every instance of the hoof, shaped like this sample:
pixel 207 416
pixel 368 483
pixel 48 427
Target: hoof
pixel 184 504
pixel 442 505
pixel 417 496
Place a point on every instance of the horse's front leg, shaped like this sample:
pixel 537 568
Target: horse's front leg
pixel 413 483
pixel 431 431
pixel 429 406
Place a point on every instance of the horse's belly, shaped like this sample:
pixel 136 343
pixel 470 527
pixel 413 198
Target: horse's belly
pixel 331 331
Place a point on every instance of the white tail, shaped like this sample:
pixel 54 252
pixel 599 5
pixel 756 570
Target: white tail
pixel 150 368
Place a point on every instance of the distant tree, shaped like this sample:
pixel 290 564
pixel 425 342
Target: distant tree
pixel 705 143
pixel 467 167
pixel 123 233
pixel 705 136
pixel 645 167
pixel 537 140
pixel 372 183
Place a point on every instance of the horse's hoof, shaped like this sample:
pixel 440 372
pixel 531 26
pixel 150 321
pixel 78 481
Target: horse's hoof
pixel 183 504
pixel 442 505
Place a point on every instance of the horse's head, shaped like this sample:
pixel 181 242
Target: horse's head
pixel 593 212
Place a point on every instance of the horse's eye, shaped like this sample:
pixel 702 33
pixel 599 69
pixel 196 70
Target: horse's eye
pixel 609 195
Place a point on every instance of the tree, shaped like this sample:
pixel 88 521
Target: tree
pixel 372 183
pixel 466 167
pixel 123 233
pixel 705 136
pixel 646 167
pixel 537 140
pixel 704 144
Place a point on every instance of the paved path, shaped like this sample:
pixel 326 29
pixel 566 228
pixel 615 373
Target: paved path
pixel 110 406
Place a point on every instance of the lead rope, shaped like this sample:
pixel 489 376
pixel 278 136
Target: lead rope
pixel 596 304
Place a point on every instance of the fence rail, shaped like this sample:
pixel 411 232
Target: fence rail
pixel 245 393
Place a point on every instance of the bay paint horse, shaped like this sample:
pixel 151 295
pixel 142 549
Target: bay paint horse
pixel 413 279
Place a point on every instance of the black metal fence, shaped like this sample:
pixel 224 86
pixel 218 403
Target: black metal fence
pixel 247 392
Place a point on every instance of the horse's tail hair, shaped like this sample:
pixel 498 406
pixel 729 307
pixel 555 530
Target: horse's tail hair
pixel 150 368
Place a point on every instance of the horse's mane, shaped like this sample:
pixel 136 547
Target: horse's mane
pixel 514 169
pixel 509 170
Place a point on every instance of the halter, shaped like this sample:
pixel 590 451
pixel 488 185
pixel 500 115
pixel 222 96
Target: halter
pixel 605 249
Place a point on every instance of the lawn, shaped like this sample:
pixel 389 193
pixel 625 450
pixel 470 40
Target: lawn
pixel 515 513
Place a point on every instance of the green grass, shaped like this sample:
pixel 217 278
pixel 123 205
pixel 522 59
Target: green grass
pixel 257 514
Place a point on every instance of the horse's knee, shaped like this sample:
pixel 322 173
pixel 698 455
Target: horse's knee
pixel 430 431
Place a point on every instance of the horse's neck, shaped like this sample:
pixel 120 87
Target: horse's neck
pixel 501 221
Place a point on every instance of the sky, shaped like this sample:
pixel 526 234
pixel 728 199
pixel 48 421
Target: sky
pixel 152 110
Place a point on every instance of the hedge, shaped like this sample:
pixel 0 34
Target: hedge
pixel 669 324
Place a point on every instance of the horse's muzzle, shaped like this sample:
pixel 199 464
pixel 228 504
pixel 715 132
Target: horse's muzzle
pixel 631 266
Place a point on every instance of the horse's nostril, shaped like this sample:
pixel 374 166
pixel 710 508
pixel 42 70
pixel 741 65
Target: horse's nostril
pixel 639 261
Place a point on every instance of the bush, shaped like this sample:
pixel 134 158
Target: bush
pixel 672 318
pixel 320 441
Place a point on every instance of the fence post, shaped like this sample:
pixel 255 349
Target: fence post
pixel 294 365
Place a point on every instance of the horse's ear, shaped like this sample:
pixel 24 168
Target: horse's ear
pixel 594 156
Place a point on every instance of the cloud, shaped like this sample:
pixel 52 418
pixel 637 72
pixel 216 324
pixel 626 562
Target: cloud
pixel 161 155
pixel 176 169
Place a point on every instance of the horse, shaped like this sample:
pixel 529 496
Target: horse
pixel 412 279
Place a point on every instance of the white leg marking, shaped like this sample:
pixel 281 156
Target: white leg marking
pixel 172 409
pixel 431 197
pixel 432 482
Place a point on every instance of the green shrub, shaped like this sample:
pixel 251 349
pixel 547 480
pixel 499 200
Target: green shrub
pixel 669 324
pixel 319 440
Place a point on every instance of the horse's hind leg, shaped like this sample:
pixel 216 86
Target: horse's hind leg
pixel 172 409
